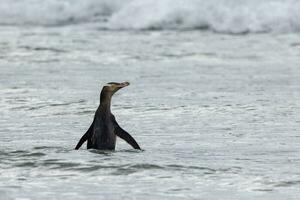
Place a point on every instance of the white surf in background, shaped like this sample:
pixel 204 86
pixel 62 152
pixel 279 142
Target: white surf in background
pixel 222 16
pixel 214 105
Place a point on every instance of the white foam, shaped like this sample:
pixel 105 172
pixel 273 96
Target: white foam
pixel 54 12
pixel 219 15
pixel 229 16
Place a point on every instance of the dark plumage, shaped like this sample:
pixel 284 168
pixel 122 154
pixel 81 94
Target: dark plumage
pixel 104 129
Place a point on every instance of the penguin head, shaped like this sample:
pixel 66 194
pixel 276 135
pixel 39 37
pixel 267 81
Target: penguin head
pixel 113 87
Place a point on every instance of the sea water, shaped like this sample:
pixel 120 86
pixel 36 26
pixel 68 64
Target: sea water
pixel 214 99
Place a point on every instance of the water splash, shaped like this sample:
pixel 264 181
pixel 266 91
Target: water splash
pixel 231 16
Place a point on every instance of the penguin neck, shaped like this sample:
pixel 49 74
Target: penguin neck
pixel 105 101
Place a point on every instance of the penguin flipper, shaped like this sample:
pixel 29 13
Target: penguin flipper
pixel 126 136
pixel 85 137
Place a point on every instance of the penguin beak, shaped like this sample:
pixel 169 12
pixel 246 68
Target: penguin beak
pixel 124 84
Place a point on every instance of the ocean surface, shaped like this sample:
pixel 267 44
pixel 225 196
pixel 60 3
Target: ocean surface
pixel 214 99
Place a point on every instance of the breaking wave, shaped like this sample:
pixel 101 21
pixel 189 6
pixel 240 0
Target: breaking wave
pixel 223 16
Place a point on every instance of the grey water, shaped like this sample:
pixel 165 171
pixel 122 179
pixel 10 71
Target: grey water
pixel 216 114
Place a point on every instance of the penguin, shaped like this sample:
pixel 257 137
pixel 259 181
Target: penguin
pixel 103 131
